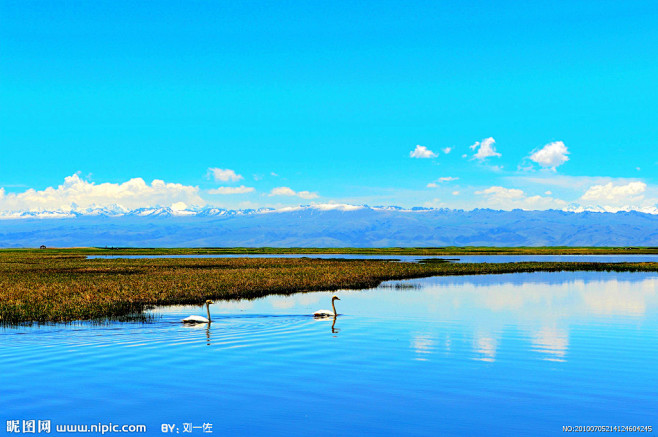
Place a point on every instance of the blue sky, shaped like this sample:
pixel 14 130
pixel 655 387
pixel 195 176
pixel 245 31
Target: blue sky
pixel 323 102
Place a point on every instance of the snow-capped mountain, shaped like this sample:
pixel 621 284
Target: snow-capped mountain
pixel 326 226
pixel 574 207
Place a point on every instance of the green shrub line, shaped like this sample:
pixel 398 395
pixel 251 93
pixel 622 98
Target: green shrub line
pixel 63 287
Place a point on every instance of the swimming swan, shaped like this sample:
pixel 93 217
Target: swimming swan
pixel 199 319
pixel 327 313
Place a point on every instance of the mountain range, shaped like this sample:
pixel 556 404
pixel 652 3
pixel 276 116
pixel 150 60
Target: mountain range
pixel 325 226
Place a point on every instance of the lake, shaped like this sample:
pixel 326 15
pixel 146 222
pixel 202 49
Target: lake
pixel 416 258
pixel 514 354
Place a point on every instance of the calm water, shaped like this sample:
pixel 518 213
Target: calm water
pixel 520 354
pixel 416 258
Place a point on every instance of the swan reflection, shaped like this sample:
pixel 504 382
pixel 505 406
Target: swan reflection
pixel 334 329
pixel 198 327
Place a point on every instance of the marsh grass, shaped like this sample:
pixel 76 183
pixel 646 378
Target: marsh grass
pixel 61 287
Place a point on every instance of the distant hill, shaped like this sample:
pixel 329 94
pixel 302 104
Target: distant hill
pixel 328 226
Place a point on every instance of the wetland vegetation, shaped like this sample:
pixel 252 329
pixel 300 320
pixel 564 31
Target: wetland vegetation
pixel 63 285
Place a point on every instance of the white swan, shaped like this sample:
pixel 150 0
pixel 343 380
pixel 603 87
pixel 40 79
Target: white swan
pixel 199 319
pixel 327 313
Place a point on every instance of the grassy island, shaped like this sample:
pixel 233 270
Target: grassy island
pixel 62 285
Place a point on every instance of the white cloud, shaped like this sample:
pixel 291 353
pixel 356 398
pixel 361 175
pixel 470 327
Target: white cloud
pixel 502 192
pixel 455 193
pixel 563 181
pixel 282 191
pixel 441 180
pixel 513 198
pixel 551 155
pixel 337 206
pixel 307 195
pixel 224 175
pixel 434 203
pixel 486 148
pixel 597 193
pixel 231 190
pixel 318 206
pixel 287 191
pixel 446 150
pixel 179 206
pixel 615 194
pixel 422 152
pixel 76 194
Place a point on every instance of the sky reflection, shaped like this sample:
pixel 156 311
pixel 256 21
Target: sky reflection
pixel 542 312
pixel 519 354
pixel 481 317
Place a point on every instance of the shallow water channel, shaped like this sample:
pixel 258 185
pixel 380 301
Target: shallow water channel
pixel 416 258
pixel 513 354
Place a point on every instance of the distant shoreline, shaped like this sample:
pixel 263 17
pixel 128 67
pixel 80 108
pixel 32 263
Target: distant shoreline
pixel 433 251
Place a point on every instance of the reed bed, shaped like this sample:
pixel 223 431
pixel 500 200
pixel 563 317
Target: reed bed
pixel 61 287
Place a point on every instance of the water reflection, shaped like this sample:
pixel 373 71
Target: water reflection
pixel 540 311
pixel 552 342
pixel 419 258
pixel 200 327
pixel 485 348
pixel 523 351
pixel 423 344
pixel 334 330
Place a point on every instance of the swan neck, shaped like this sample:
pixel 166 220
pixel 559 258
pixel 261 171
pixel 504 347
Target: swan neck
pixel 208 310
pixel 333 306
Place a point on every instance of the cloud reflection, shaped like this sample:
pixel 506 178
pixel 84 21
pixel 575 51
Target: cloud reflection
pixel 423 344
pixel 537 309
pixel 552 342
pixel 485 348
